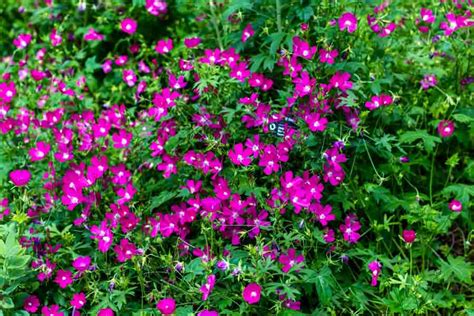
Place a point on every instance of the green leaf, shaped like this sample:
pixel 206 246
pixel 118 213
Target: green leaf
pixel 162 198
pixel 462 118
pixel 462 191
pixel 306 13
pixel 458 268
pixel 428 140
pixel 184 311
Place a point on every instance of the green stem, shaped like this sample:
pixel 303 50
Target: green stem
pixel 431 175
pixel 278 14
pixel 214 24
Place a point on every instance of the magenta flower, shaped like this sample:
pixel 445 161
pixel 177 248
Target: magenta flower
pixel 31 304
pixel 347 21
pixel 192 42
pixel 329 236
pixel 128 26
pixel 323 213
pixel 93 35
pixel 316 123
pixel 350 229
pixel 387 30
pixel 168 165
pixel 129 77
pixel 289 260
pixel 166 306
pixel 82 263
pixel 304 85
pixel 164 46
pixel 377 101
pixel 328 56
pixel 55 38
pixel 104 236
pixel 22 41
pixel 78 300
pixel 122 139
pixel 206 289
pixel 269 160
pixel 240 156
pixel 207 312
pixel 455 206
pixel 125 250
pixel 7 91
pixel 303 49
pixel 375 268
pixel 51 311
pixel 39 152
pixel 446 128
pixel 409 236
pixel 247 32
pixel 428 81
pixel 341 81
pixel 240 71
pixel 63 278
pixel 106 312
pixel 20 177
pixel 251 293
pixel 156 7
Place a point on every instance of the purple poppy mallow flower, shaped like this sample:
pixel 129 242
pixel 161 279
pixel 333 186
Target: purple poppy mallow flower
pixel 252 293
pixel 375 268
pixel 128 26
pixel 166 306
pixel 445 128
pixel 455 206
pixel 347 21
pixel 20 177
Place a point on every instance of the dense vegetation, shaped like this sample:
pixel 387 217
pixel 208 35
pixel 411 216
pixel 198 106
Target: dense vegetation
pixel 236 157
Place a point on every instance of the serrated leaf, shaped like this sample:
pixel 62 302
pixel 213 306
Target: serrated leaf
pixel 428 140
pixel 458 268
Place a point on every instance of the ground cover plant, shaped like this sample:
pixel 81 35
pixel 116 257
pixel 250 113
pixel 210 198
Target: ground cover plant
pixel 236 157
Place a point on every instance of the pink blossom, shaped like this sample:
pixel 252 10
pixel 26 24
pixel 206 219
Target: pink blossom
pixel 31 304
pixel 323 213
pixel 240 71
pixel 168 165
pixel 20 177
pixel 82 263
pixel 347 21
pixel 106 312
pixel 207 312
pixel 341 81
pixel 7 91
pixel 4 209
pixel 251 293
pixel 78 300
pixel 63 278
pixel 289 260
pixel 206 289
pixel 55 38
pixel 428 81
pixel 455 206
pixel 104 236
pixel 125 250
pixel 446 128
pixel 166 306
pixel 329 236
pixel 156 7
pixel 192 42
pixel 375 268
pixel 316 123
pixel 22 41
pixel 303 49
pixel 427 15
pixel 387 30
pixel 129 77
pixel 240 156
pixel 128 26
pixel 328 56
pixel 247 32
pixel 39 152
pixel 164 46
pixel 93 35
pixel 350 229
pixel 409 236
pixel 122 139
pixel 51 311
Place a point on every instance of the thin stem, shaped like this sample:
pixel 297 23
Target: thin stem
pixel 278 14
pixel 214 24
pixel 431 175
